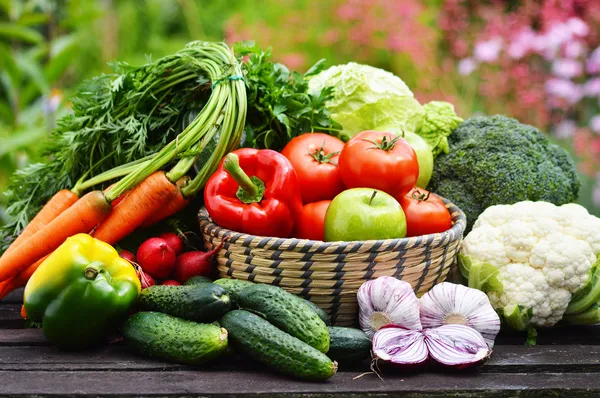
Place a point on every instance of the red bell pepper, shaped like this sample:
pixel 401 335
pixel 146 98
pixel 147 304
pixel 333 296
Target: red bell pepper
pixel 255 192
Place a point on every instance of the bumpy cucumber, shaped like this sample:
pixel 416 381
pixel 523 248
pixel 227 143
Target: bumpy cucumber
pixel 266 343
pixel 233 286
pixel 201 303
pixel 163 336
pixel 197 280
pixel 286 311
pixel 318 310
pixel 348 344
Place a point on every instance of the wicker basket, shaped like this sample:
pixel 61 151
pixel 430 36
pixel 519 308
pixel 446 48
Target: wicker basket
pixel 330 273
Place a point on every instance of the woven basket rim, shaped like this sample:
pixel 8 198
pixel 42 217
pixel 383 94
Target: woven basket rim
pixel 459 223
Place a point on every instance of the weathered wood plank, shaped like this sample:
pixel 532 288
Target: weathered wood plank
pixel 506 359
pixel 262 384
pixel 15 297
pixel 22 337
pixel 10 317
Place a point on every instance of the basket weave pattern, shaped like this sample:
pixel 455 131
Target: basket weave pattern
pixel 330 273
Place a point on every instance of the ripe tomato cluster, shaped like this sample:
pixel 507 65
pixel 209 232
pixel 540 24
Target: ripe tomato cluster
pixel 326 166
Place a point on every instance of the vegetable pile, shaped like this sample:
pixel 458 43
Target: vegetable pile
pixel 339 154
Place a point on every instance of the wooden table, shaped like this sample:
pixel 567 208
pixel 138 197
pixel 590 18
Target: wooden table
pixel 566 363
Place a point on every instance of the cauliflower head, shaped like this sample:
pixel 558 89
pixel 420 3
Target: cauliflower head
pixel 537 262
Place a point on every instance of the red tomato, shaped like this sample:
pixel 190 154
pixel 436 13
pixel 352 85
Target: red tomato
pixel 171 282
pixel 315 159
pixel 425 213
pixel 384 161
pixel 311 223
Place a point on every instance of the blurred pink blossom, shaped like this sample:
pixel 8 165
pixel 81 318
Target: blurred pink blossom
pixel 521 43
pixel 489 50
pixel 595 124
pixel 574 49
pixel 578 27
pixel 294 61
pixel 592 87
pixel 467 66
pixel 565 89
pixel 592 64
pixel 565 129
pixel 567 68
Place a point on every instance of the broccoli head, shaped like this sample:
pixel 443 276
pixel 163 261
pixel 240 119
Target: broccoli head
pixel 497 160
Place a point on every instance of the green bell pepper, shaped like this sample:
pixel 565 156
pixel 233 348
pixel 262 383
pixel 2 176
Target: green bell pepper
pixel 81 292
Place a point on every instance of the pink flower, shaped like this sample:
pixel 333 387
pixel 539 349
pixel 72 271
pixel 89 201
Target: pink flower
pixel 488 51
pixel 565 89
pixel 595 124
pixel 466 66
pixel 592 87
pixel 592 64
pixel 567 68
pixel 574 49
pixel 565 129
pixel 578 27
pixel 522 43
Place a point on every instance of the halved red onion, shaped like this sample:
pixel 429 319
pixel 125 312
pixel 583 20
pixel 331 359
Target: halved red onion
pixel 449 303
pixel 387 301
pixel 456 345
pixel 400 346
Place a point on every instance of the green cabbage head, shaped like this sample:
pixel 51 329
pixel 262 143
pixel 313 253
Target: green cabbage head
pixel 366 97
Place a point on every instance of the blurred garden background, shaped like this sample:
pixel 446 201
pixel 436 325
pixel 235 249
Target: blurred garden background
pixel 536 60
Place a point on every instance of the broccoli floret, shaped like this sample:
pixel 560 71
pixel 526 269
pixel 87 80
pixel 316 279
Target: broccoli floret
pixel 497 160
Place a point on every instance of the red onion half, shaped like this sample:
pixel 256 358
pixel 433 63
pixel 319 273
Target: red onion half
pixel 400 346
pixel 456 345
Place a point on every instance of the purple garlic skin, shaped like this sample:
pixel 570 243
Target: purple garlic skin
pixel 449 303
pixel 400 346
pixel 387 301
pixel 456 346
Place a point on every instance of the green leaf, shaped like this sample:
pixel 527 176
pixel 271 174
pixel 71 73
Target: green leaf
pixel 13 31
pixel 33 70
pixel 517 317
pixel 21 139
pixel 589 294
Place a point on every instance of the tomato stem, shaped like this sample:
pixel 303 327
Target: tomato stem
pixel 320 156
pixel 421 197
pixel 386 143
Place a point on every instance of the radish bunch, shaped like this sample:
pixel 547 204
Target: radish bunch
pixel 163 258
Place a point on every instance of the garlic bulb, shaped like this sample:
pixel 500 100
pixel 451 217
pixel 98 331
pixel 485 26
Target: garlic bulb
pixel 400 346
pixel 387 301
pixel 449 303
pixel 456 345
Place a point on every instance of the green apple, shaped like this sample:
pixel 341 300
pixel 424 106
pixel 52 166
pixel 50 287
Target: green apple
pixel 424 154
pixel 364 214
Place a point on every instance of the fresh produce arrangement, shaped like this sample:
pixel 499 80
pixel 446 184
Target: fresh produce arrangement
pixel 340 173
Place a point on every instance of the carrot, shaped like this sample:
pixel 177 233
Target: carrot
pixel 81 217
pixel 117 200
pixel 20 279
pixel 61 201
pixel 145 199
pixel 177 203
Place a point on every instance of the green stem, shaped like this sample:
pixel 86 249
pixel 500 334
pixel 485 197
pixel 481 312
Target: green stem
pixel 181 168
pixel 372 197
pixel 251 190
pixel 111 174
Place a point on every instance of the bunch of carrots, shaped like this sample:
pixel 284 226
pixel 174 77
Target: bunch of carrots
pixel 145 194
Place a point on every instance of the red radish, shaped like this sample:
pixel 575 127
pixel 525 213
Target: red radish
pixel 171 282
pixel 174 241
pixel 145 279
pixel 127 255
pixel 156 258
pixel 193 264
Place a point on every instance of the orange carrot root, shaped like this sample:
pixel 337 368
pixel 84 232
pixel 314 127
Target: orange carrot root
pixel 147 198
pixel 60 202
pixel 177 203
pixel 81 217
pixel 20 279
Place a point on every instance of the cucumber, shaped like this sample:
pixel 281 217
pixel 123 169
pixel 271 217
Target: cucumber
pixel 318 310
pixel 348 345
pixel 163 336
pixel 289 313
pixel 265 343
pixel 201 303
pixel 197 280
pixel 233 286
